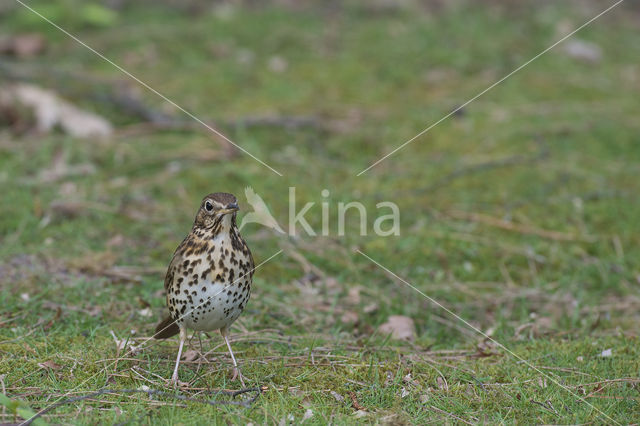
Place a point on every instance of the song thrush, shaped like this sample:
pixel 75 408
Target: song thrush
pixel 208 282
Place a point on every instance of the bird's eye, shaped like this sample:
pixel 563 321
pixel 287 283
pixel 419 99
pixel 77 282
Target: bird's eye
pixel 208 206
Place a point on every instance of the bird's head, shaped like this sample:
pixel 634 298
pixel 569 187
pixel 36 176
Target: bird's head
pixel 217 208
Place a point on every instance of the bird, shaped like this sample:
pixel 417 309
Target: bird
pixel 260 213
pixel 208 281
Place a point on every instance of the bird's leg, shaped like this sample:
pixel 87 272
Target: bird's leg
pixel 201 350
pixel 236 370
pixel 183 337
pixel 201 346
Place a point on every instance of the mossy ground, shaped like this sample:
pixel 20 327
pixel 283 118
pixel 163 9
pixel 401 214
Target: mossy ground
pixel 520 214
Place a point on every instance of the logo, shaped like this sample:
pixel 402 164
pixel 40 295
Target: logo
pixel 384 224
pixel 260 214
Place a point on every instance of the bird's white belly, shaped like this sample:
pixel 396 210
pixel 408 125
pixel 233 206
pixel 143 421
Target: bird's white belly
pixel 213 307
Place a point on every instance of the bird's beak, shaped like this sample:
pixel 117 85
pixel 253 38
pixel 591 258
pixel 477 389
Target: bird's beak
pixel 231 207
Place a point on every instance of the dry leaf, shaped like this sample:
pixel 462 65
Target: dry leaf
pixel 190 355
pixel 400 327
pixel 355 403
pixel 49 365
pixel 349 317
pixel 122 343
pixel 353 296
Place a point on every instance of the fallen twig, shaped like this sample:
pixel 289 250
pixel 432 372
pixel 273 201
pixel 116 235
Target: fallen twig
pixel 510 226
pixel 613 397
pixel 155 392
pixel 541 154
pixel 547 406
pixel 609 381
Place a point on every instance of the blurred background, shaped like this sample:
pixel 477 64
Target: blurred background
pixel 519 212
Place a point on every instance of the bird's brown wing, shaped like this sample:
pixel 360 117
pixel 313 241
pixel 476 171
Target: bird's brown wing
pixel 175 261
pixel 167 327
pixel 168 279
pixel 251 265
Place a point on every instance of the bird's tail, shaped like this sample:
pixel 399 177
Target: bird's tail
pixel 166 328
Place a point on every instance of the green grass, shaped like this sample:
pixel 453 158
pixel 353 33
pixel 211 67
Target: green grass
pixel 553 148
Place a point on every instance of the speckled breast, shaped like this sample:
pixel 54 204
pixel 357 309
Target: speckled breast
pixel 212 284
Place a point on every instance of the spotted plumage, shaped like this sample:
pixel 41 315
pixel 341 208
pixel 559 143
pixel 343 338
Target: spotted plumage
pixel 208 282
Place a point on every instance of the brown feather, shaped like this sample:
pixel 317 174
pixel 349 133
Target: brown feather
pixel 166 328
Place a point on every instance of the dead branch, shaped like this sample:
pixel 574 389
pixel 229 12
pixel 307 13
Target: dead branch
pixel 510 226
pixel 547 406
pixel 609 381
pixel 153 119
pixel 155 392
pixel 288 122
pixel 541 154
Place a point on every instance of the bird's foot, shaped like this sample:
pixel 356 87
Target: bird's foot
pixel 176 383
pixel 237 374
